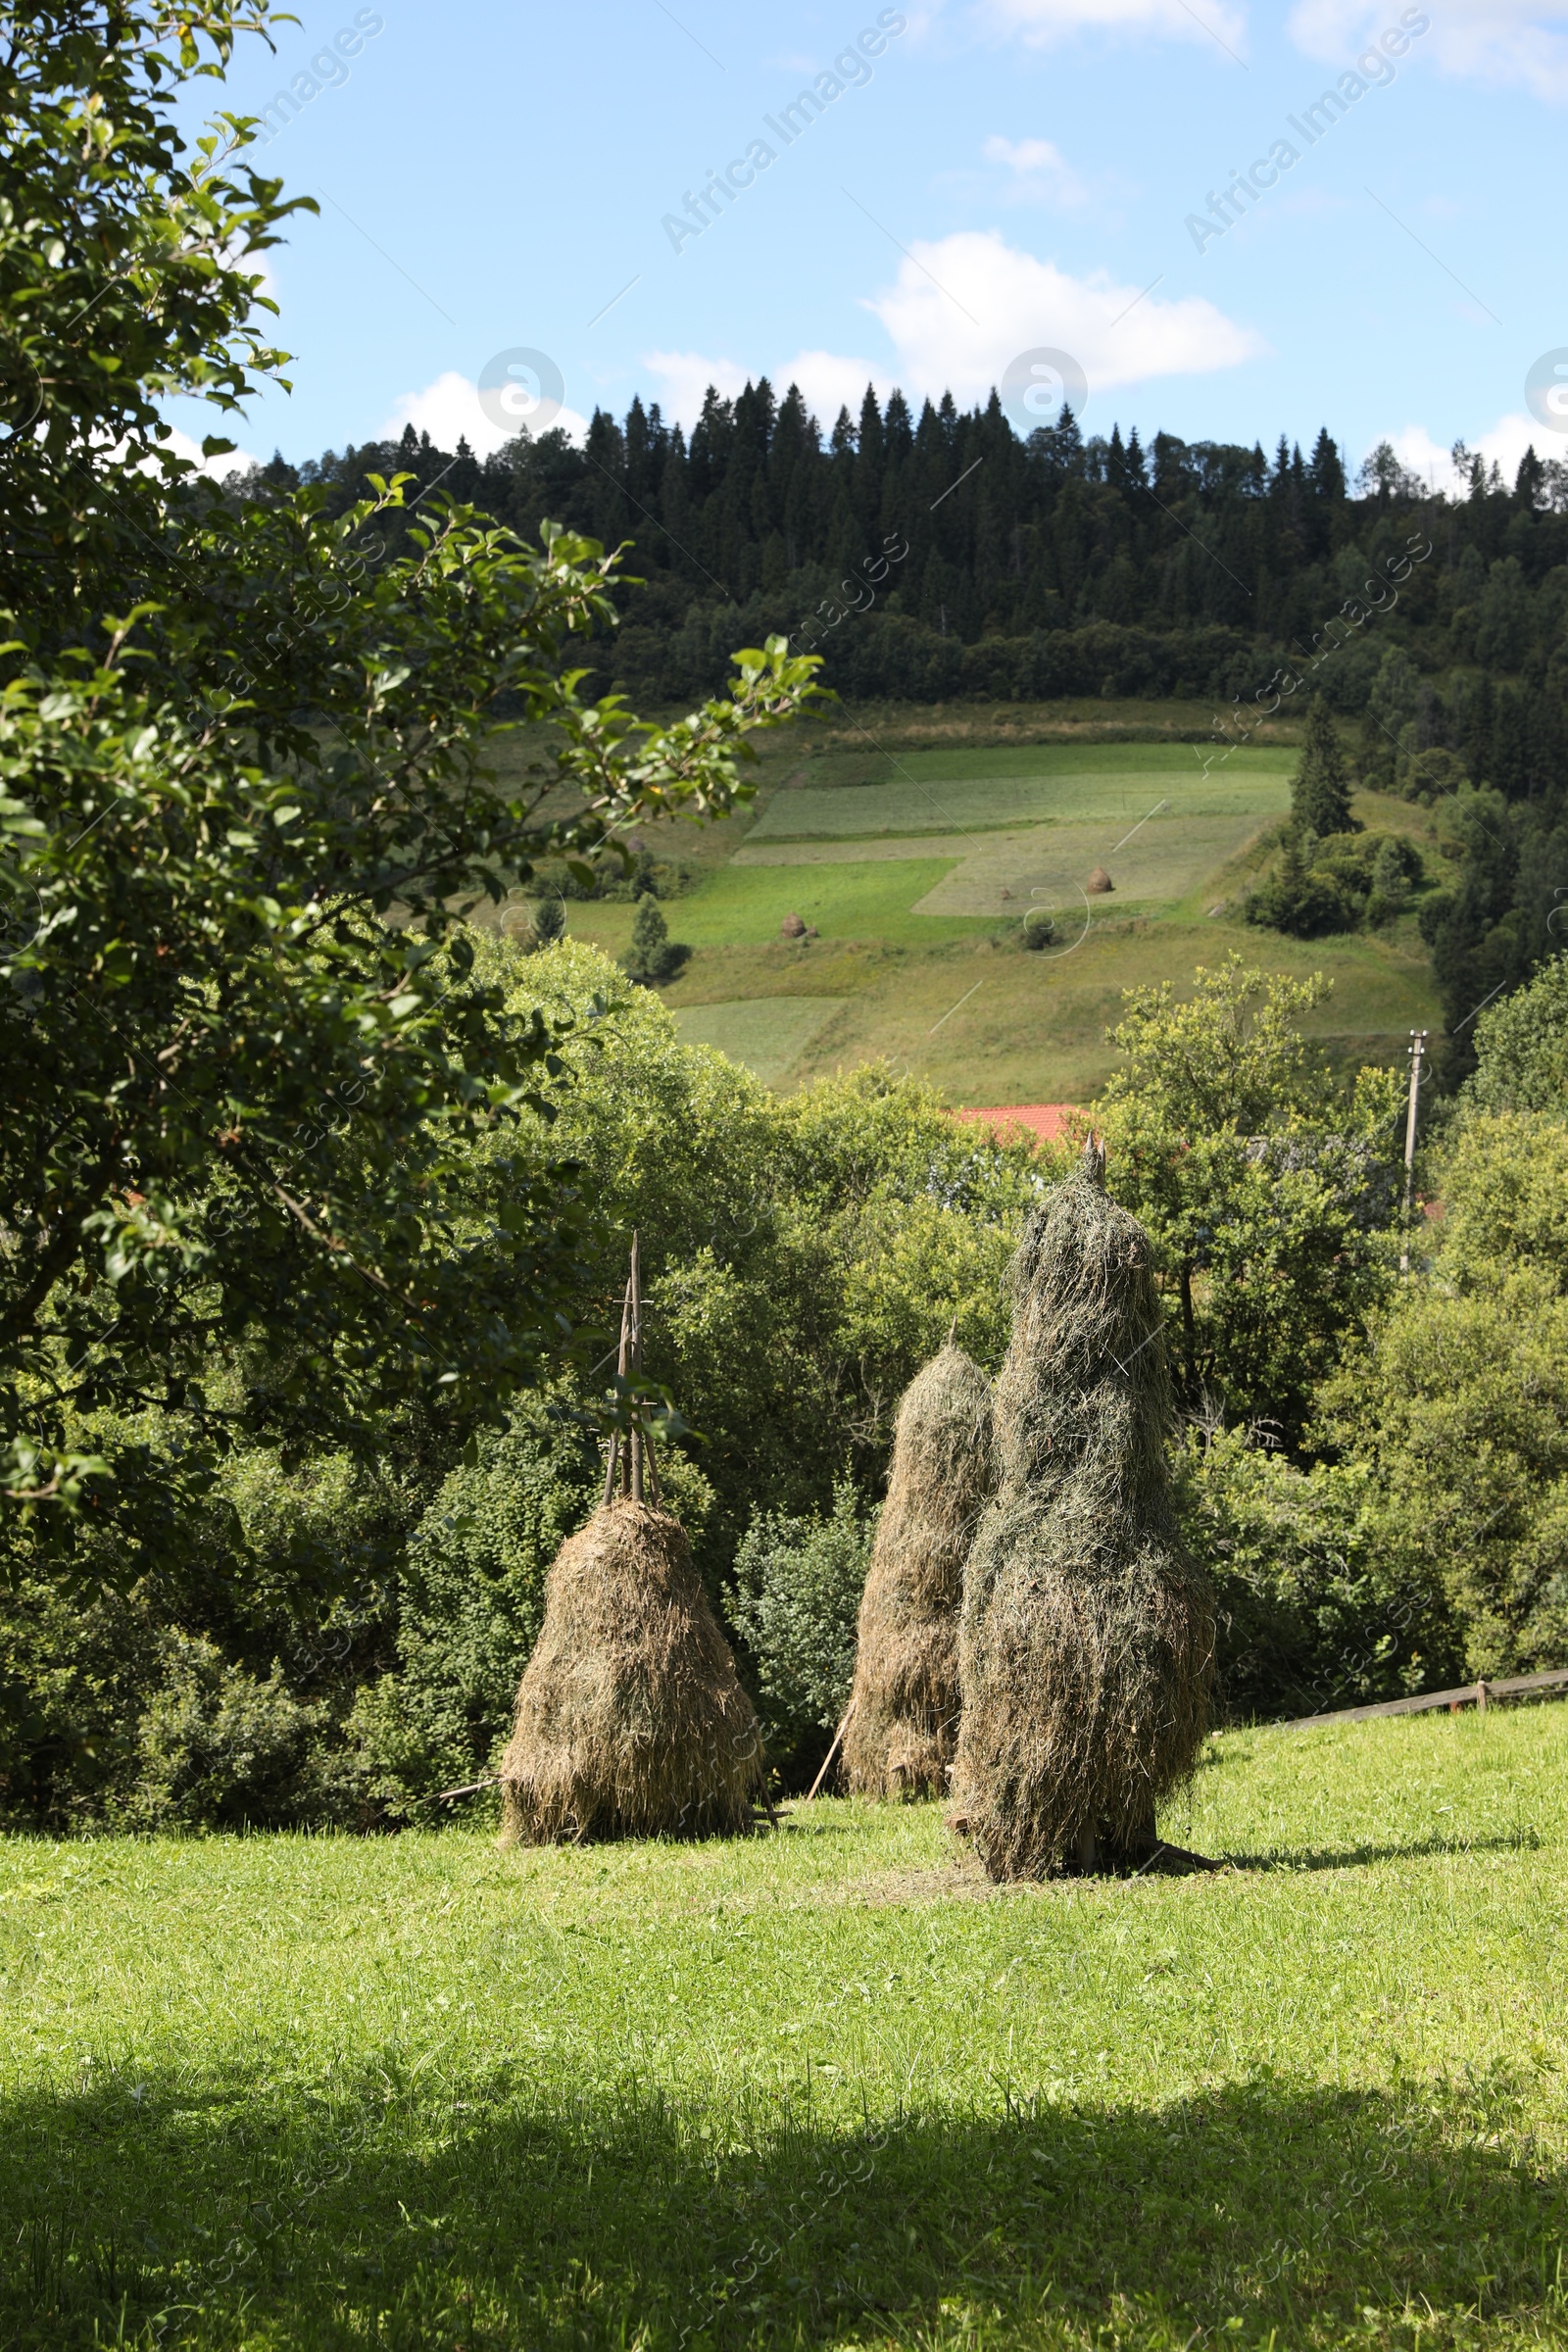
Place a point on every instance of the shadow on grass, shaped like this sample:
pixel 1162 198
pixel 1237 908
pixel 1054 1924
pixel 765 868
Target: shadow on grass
pixel 468 2213
pixel 1409 1849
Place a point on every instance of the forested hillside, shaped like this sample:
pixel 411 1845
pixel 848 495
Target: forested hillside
pixel 941 555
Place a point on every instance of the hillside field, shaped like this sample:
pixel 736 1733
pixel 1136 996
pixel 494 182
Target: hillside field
pixel 915 845
pixel 821 2086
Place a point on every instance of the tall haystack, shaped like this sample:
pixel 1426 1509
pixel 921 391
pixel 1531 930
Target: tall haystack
pixel 902 1725
pixel 1086 1653
pixel 631 1721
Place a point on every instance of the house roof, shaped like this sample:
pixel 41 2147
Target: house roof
pixel 1012 1122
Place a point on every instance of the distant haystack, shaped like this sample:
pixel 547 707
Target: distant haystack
pixel 902 1725
pixel 1087 1642
pixel 1098 882
pixel 631 1721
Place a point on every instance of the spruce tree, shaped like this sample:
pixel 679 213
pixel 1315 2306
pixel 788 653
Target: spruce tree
pixel 549 920
pixel 651 958
pixel 1321 796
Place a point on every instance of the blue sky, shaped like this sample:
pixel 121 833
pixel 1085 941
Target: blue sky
pixel 1001 176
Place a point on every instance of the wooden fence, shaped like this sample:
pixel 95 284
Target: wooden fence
pixel 1469 1695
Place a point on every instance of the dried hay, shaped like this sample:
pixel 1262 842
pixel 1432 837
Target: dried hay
pixel 1087 1640
pixel 631 1721
pixel 903 1726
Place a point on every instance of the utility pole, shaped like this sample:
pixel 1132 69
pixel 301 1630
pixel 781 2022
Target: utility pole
pixel 1418 1041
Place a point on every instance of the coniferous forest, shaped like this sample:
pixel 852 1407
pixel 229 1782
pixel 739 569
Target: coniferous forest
pixel 941 556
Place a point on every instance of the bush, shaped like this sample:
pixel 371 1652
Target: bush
pixel 1459 1404
pixel 1396 868
pixel 1522 1047
pixel 1039 929
pixel 1429 775
pixel 1300 899
pixel 1309 1616
pixel 795 1602
pixel 222 1749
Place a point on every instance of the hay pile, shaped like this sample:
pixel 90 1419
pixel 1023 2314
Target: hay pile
pixel 902 1725
pixel 630 1722
pixel 1087 1640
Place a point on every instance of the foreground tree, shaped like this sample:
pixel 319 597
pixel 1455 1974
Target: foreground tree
pixel 249 787
pixel 1267 1193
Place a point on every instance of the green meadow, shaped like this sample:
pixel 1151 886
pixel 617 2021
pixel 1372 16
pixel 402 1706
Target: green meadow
pixel 821 2086
pixel 915 864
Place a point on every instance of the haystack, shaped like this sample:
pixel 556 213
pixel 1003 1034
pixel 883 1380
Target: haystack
pixel 631 1721
pixel 902 1725
pixel 1086 1637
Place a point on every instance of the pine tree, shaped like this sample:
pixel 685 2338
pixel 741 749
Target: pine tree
pixel 649 957
pixel 549 920
pixel 1320 796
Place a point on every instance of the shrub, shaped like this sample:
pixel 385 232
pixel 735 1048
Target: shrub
pixel 1300 900
pixel 1429 775
pixel 794 1602
pixel 1309 1615
pixel 1396 868
pixel 222 1749
pixel 1039 928
pixel 1522 1047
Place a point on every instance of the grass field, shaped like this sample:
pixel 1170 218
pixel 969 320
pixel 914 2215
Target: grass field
pixel 915 842
pixel 768 1034
pixel 824 2087
pixel 1110 786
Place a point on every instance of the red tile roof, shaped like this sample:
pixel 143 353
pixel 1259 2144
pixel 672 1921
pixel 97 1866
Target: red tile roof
pixel 1046 1122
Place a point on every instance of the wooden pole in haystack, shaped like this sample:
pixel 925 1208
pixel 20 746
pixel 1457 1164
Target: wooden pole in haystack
pixel 639 1444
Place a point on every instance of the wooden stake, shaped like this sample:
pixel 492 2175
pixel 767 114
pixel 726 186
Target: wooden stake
pixel 613 1462
pixel 634 1364
pixel 638 1456
pixel 832 1752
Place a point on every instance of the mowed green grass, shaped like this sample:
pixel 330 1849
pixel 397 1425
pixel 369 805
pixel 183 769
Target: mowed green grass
pixel 821 2086
pixel 768 1034
pixel 744 906
pixel 991 1024
pixel 1115 785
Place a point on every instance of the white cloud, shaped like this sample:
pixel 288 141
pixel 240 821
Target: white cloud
pixel 1503 444
pixel 1039 169
pixel 965 306
pixel 1523 43
pixel 687 375
pixel 1042 22
pixel 449 410
pixel 828 380
pixel 989 302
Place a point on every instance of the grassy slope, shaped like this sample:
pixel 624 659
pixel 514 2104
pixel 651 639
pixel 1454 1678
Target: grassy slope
pixel 1033 1029
pixel 815 2088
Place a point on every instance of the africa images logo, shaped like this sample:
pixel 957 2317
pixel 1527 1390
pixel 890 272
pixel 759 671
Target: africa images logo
pixel 1373 69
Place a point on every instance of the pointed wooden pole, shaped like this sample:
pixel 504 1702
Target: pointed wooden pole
pixel 634 1353
pixel 844 1726
pixel 613 1462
